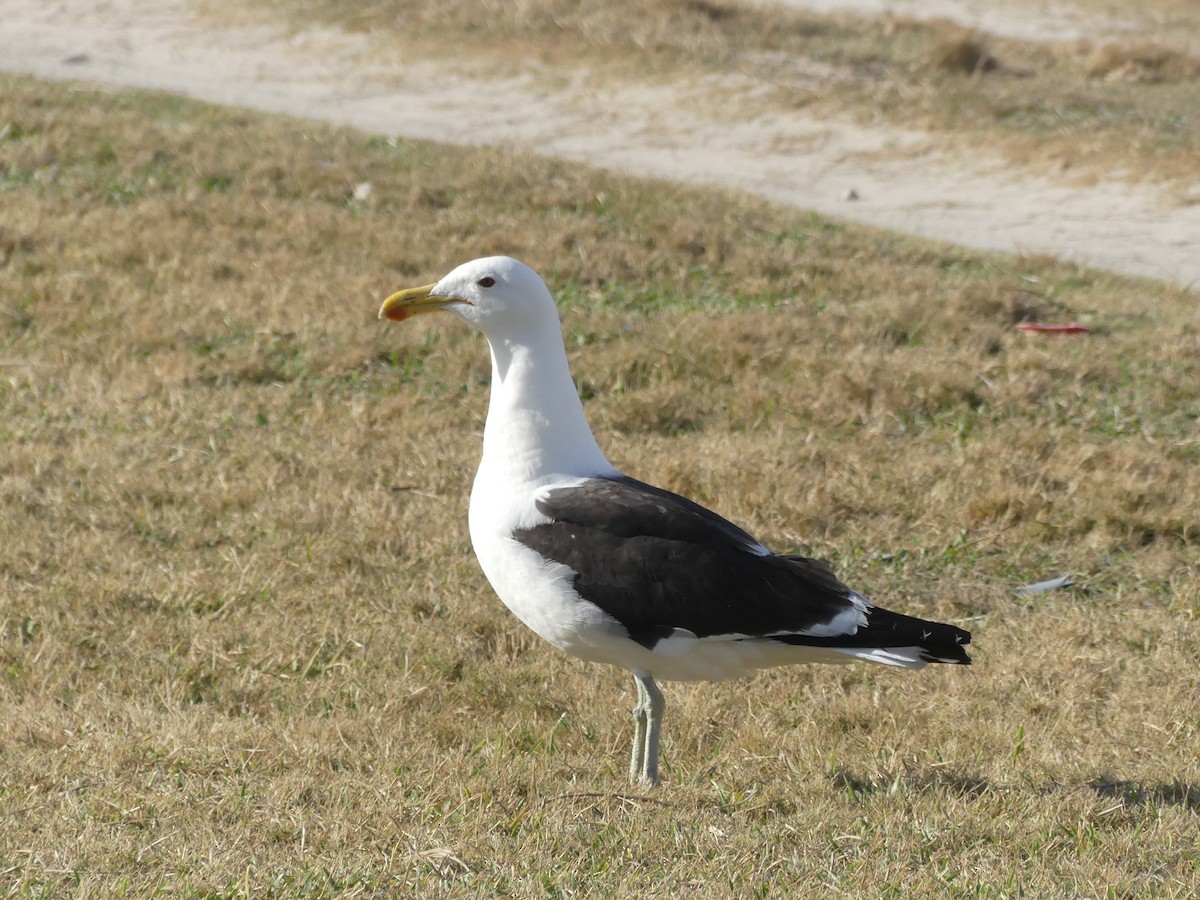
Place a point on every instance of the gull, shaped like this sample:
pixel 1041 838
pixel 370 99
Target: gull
pixel 612 570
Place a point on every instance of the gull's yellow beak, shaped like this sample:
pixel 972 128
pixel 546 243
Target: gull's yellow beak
pixel 413 302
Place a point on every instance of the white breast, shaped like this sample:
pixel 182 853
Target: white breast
pixel 537 590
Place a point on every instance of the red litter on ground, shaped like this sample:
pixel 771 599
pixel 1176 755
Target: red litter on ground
pixel 1035 328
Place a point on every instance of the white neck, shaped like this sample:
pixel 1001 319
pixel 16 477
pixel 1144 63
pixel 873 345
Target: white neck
pixel 535 425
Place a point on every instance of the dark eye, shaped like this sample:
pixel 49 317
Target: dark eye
pixel 486 281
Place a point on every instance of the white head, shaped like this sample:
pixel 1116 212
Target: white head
pixel 535 425
pixel 500 296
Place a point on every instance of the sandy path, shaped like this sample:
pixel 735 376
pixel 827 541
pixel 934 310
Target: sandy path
pixel 652 130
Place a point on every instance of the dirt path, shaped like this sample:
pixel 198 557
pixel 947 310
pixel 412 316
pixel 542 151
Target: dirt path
pixel 900 180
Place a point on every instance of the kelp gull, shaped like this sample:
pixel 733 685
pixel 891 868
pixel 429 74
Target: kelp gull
pixel 612 570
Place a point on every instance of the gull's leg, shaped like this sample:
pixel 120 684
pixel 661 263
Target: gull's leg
pixel 655 705
pixel 641 711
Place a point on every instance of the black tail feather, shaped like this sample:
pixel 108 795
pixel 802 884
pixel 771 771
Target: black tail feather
pixel 939 643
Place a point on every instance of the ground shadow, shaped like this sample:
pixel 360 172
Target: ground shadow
pixel 963 784
pixel 966 784
pixel 1137 793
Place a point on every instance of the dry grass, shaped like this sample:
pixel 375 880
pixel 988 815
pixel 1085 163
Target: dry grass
pixel 1040 103
pixel 1146 62
pixel 244 648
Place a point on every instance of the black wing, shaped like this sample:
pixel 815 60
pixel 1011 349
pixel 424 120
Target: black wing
pixel 627 507
pixel 656 561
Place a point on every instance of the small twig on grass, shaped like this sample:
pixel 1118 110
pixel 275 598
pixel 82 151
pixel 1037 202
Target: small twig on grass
pixel 602 795
pixel 154 844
